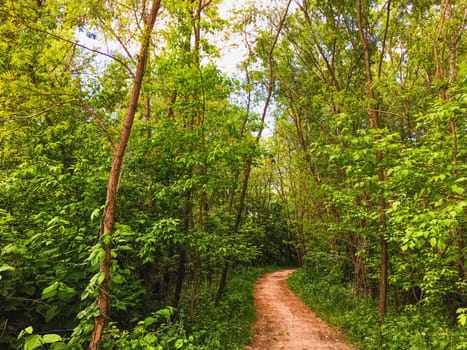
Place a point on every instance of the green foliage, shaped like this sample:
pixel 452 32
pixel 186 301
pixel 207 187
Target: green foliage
pixel 155 332
pixel 35 341
pixel 462 316
pixel 413 328
pixel 228 325
pixel 45 228
pixel 364 152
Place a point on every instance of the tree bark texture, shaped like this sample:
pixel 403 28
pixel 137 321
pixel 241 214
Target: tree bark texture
pixel 247 169
pixel 373 117
pixel 447 39
pixel 103 297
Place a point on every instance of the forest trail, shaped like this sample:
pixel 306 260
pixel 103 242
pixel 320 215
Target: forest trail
pixel 285 322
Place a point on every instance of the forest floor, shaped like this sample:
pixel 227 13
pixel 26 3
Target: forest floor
pixel 285 322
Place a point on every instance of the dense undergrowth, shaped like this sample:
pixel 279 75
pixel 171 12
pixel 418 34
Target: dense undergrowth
pixel 413 328
pixel 226 326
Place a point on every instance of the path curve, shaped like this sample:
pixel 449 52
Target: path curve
pixel 285 322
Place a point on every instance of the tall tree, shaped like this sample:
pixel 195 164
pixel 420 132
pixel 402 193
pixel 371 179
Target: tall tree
pixel 103 301
pixel 269 62
pixel 373 101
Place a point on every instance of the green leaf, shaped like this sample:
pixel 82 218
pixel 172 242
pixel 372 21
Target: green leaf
pixel 117 278
pixel 166 313
pixel 124 248
pixel 96 256
pixel 6 267
pixel 149 321
pixel 32 342
pixel 179 344
pixel 51 313
pixel 106 239
pixel 456 189
pixel 51 338
pixel 462 316
pixel 95 214
pixel 27 330
pixel 50 291
pixel 150 339
pixel 10 249
pixel 99 278
pixel 65 292
pixel 441 245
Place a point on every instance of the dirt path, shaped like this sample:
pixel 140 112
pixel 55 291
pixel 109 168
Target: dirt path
pixel 285 322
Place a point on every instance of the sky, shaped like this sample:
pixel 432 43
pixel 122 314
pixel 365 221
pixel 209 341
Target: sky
pixel 232 46
pixel 233 51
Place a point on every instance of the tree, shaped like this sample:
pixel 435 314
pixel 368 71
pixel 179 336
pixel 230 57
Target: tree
pixel 373 115
pixel 355 85
pixel 114 176
pixel 248 162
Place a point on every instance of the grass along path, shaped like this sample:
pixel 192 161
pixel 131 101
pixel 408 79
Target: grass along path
pixel 285 322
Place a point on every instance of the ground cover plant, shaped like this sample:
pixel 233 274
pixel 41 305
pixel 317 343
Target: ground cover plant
pixel 412 328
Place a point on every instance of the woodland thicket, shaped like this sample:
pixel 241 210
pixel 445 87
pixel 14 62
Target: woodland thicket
pixel 136 176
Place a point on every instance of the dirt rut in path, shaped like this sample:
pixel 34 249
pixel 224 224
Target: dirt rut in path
pixel 285 322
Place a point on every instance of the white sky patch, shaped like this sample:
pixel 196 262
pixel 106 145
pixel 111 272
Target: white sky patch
pixel 232 45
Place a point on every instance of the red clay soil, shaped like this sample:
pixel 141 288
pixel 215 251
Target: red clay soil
pixel 285 322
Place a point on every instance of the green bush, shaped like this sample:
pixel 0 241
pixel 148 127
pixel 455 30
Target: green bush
pixel 227 326
pixel 155 332
pixel 412 329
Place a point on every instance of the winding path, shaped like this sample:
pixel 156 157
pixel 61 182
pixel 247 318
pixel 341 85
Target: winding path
pixel 284 322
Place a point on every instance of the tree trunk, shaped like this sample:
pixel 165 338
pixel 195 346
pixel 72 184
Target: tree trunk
pixel 222 282
pixel 373 116
pixel 103 297
pixel 247 170
pixel 195 273
pixel 180 277
pixel 446 40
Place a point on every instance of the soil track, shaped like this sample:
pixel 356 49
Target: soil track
pixel 285 322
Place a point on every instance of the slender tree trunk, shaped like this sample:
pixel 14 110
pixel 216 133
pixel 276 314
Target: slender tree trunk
pixel 147 108
pixel 195 273
pixel 373 116
pixel 198 120
pixel 459 231
pixel 180 277
pixel 247 170
pixel 222 282
pixel 103 297
pixel 446 40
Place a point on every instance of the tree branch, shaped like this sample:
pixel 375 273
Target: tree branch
pixel 385 35
pixel 76 43
pixel 99 121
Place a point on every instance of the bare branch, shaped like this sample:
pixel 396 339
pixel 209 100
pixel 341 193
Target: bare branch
pixel 116 37
pixel 43 111
pixel 99 121
pixel 205 4
pixel 76 43
pixel 385 35
pixel 271 69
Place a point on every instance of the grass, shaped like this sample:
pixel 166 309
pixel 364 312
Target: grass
pixel 414 329
pixel 228 325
